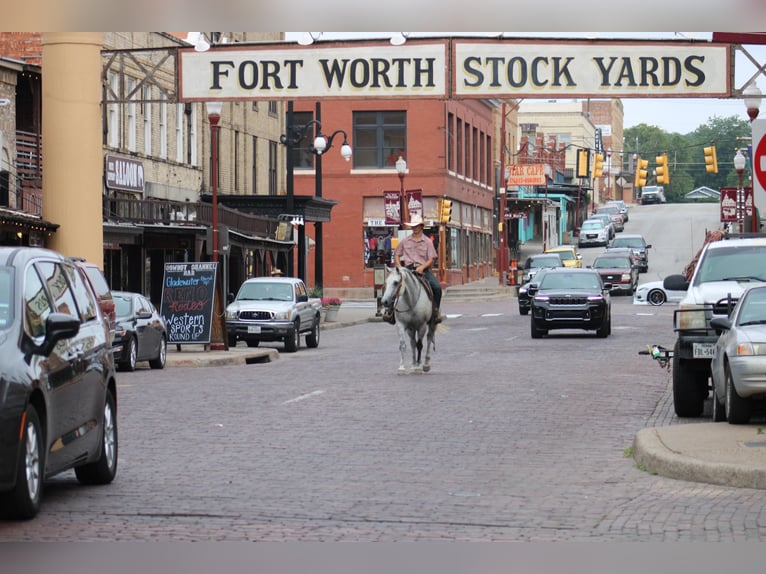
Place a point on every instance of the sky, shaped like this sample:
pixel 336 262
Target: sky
pixel 681 115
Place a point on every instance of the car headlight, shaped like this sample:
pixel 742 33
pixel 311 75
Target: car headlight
pixel 626 277
pixel 283 315
pixel 232 315
pixel 692 317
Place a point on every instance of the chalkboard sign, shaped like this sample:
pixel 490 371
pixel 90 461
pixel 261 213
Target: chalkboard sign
pixel 187 301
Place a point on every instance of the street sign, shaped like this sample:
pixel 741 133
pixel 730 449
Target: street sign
pixel 759 163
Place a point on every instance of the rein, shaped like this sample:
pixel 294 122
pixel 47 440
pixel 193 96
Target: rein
pixel 402 289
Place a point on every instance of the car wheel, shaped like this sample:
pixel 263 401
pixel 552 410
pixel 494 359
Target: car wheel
pixel 656 297
pixel 719 411
pixel 535 332
pixel 159 362
pixel 252 342
pixel 605 328
pixel 293 338
pixel 523 311
pixel 129 364
pixel 23 502
pixel 232 340
pixel 688 400
pixel 737 408
pixel 104 469
pixel 312 339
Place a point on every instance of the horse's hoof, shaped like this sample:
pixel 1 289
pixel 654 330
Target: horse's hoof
pixel 426 368
pixel 417 370
pixel 401 371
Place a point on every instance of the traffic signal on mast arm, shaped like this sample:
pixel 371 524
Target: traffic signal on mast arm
pixel 663 174
pixel 445 210
pixel 598 164
pixel 711 160
pixel 642 167
pixel 583 159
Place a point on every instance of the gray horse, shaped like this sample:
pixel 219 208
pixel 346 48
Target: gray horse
pixel 412 308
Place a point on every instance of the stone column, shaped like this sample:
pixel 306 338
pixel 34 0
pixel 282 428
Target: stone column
pixel 73 156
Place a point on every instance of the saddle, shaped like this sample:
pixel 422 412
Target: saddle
pixel 423 281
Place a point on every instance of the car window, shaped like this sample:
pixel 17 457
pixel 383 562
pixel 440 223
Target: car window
pixel 122 305
pixel 37 306
pixel 6 297
pixel 56 280
pixel 83 295
pixel 100 286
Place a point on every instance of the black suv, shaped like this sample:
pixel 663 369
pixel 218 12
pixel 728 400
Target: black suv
pixel 570 298
pixel 58 405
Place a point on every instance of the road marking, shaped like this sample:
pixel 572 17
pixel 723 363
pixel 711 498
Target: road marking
pixel 301 397
pixel 492 314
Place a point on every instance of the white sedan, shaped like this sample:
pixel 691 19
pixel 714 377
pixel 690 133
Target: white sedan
pixel 653 293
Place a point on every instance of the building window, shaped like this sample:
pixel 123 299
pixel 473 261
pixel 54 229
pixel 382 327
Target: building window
pixel 379 138
pixel 459 150
pixel 180 116
pixel 193 158
pixel 131 127
pixel 302 156
pixel 273 108
pixel 272 168
pixel 451 142
pixel 164 129
pixel 255 165
pixel 147 121
pixel 236 161
pixel 113 126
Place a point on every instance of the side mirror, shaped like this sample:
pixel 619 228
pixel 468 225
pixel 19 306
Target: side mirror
pixel 720 323
pixel 532 289
pixel 647 246
pixel 230 298
pixel 676 282
pixel 607 286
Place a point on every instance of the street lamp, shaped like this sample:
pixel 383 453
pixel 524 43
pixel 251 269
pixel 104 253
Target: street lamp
pixel 739 165
pixel 752 97
pixel 401 171
pixel 214 116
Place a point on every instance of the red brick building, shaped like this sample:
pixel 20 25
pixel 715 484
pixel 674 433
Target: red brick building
pixel 450 150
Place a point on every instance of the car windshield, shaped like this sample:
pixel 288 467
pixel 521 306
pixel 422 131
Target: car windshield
pixel 611 262
pixel 592 225
pixel 565 255
pixel 753 308
pixel 265 292
pixel 735 263
pixel 570 281
pixel 553 261
pixel 628 242
pixel 6 297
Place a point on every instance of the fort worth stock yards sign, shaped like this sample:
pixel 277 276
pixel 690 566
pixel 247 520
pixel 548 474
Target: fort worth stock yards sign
pixel 455 68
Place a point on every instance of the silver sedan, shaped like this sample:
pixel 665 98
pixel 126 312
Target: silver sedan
pixel 738 367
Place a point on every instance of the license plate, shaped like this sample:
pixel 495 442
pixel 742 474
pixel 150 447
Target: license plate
pixel 703 350
pixel 254 329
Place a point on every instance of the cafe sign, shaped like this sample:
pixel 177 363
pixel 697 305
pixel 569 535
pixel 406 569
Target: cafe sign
pixel 124 174
pixel 525 174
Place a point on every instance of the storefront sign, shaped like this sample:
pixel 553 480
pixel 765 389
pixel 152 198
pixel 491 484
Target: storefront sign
pixel 124 174
pixel 530 174
pixel 187 301
pixel 507 68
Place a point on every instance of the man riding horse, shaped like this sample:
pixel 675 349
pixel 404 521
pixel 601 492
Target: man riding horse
pixel 417 253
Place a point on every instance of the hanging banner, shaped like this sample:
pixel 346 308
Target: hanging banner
pixel 531 174
pixel 736 204
pixel 187 301
pixel 414 201
pixel 392 207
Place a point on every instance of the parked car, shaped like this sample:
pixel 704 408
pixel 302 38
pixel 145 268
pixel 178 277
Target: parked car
pixel 614 215
pixel 98 283
pixel 607 222
pixel 619 269
pixel 141 333
pixel 655 293
pixel 738 366
pixel 568 254
pixel 58 394
pixel 593 232
pixel 638 244
pixel 570 299
pixel 539 261
pixel 623 208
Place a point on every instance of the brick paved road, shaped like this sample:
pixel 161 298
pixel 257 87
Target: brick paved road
pixel 506 439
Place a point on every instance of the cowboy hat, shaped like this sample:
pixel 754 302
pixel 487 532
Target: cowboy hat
pixel 415 220
pixel 276 272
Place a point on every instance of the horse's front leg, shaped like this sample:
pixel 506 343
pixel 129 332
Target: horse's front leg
pixel 402 349
pixel 429 343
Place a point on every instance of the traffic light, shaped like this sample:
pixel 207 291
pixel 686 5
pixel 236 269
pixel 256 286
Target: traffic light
pixel 663 174
pixel 445 210
pixel 583 157
pixel 642 167
pixel 598 165
pixel 711 161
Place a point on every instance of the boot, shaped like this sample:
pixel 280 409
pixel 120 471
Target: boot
pixel 436 315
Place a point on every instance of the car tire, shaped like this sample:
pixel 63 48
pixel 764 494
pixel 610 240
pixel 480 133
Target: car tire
pixel 688 400
pixel 535 332
pixel 23 502
pixel 104 468
pixel 523 311
pixel 605 328
pixel 312 339
pixel 252 342
pixel 737 408
pixel 656 297
pixel 719 410
pixel 159 362
pixel 129 364
pixel 293 338
pixel 232 340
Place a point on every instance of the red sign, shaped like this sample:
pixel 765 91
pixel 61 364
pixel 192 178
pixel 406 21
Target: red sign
pixel 392 207
pixel 735 206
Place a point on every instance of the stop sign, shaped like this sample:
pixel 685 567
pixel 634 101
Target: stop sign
pixel 759 164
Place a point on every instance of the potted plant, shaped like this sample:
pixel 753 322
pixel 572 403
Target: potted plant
pixel 331 305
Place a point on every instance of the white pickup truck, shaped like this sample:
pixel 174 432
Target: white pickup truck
pixel 273 309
